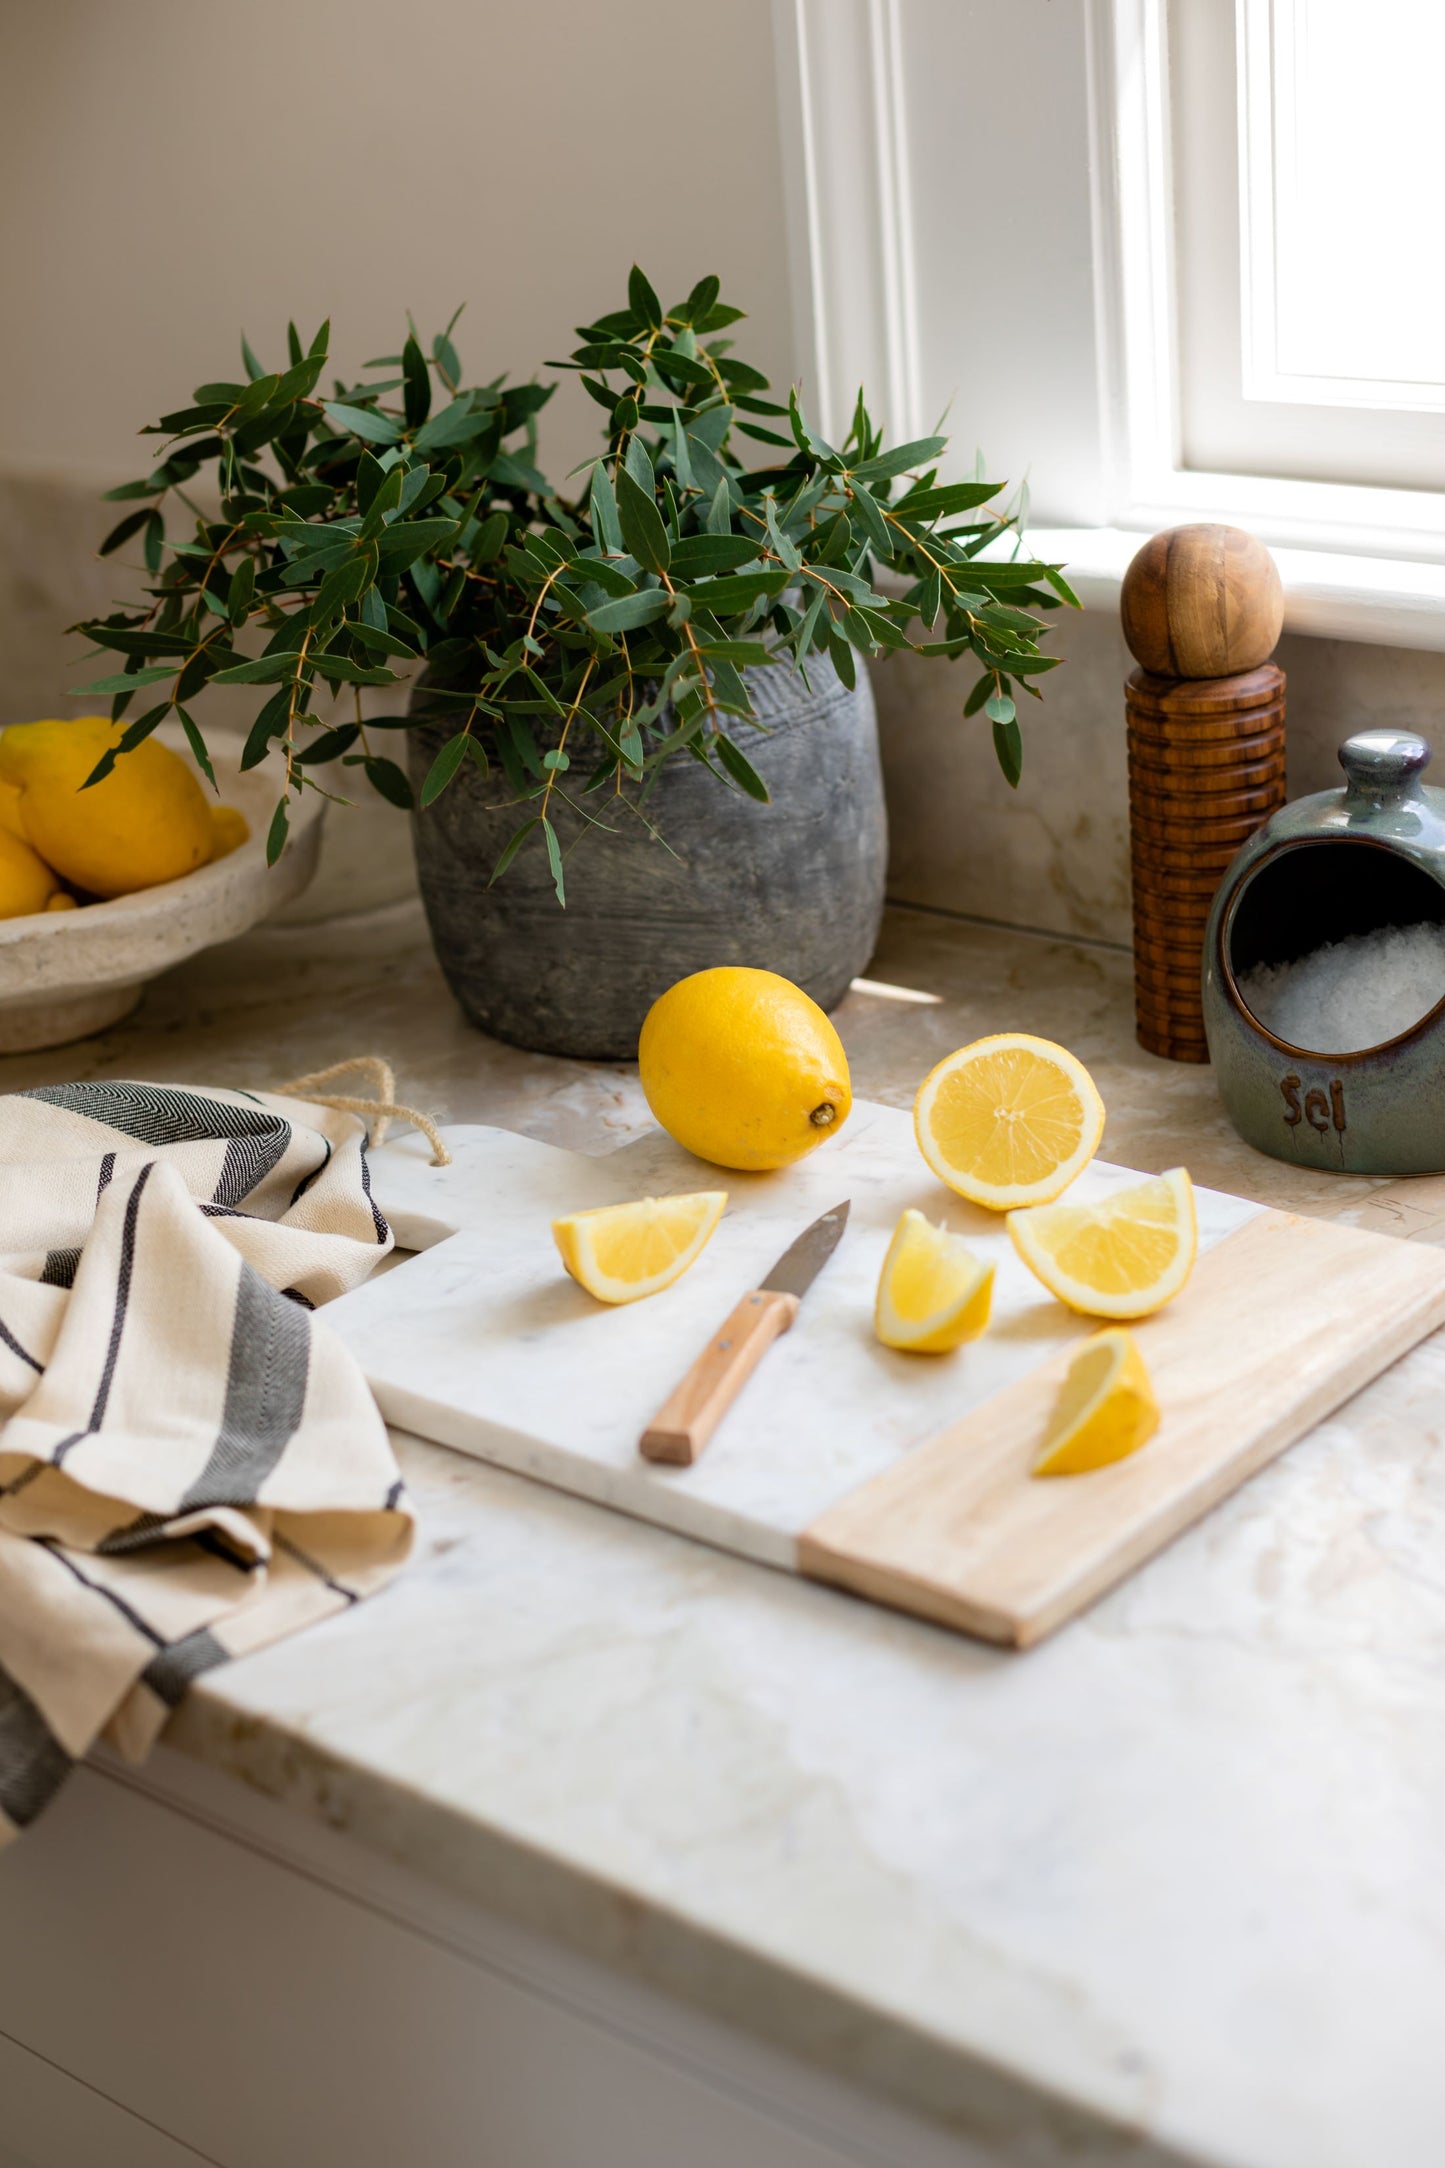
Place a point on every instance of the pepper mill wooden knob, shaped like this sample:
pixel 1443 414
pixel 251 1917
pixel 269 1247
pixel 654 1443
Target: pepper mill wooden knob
pixel 1202 609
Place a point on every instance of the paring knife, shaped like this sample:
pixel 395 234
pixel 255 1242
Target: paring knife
pixel 692 1411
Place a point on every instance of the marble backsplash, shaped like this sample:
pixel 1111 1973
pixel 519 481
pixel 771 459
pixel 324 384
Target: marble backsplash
pixel 1053 855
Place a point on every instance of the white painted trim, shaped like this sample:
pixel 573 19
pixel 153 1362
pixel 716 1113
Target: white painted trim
pixel 842 71
pixel 844 127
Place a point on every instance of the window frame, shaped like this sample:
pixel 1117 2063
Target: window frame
pixel 1099 397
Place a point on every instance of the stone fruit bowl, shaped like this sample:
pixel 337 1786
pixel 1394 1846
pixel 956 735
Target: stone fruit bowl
pixel 66 974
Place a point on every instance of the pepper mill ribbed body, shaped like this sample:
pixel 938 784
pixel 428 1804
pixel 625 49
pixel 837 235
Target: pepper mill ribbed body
pixel 1202 609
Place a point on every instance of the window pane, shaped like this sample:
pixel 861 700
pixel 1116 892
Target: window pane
pixel 1343 301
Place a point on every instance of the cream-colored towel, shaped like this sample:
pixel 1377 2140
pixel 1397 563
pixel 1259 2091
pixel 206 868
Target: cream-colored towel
pixel 190 1465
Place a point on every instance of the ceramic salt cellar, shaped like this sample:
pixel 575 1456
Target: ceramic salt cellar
pixel 1345 862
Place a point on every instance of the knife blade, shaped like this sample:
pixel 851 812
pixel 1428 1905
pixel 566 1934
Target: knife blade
pixel 692 1411
pixel 802 1261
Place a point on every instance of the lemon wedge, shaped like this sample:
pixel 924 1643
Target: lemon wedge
pixel 621 1252
pixel 1121 1256
pixel 933 1293
pixel 1009 1120
pixel 1105 1410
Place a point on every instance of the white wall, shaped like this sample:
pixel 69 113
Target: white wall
pixel 172 171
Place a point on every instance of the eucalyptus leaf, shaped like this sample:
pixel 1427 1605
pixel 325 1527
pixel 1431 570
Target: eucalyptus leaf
pixel 741 769
pixel 1008 744
pixel 630 611
pixel 444 767
pixel 643 301
pixel 642 530
pixel 363 422
pixel 276 833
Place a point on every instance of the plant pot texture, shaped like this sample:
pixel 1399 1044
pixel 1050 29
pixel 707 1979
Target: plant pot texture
pixel 794 887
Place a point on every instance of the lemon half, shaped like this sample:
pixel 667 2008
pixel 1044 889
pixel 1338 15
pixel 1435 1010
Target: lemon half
pixel 1105 1410
pixel 933 1293
pixel 1009 1120
pixel 1121 1256
pixel 621 1252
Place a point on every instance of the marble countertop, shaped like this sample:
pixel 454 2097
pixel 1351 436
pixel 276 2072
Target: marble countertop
pixel 1178 1872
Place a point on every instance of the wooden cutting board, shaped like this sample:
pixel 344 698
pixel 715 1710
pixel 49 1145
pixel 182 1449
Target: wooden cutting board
pixel 904 1478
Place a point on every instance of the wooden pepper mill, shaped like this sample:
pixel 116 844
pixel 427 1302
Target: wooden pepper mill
pixel 1202 609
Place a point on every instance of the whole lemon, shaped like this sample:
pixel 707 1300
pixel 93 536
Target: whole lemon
pixel 229 830
pixel 147 822
pixel 26 882
pixel 743 1069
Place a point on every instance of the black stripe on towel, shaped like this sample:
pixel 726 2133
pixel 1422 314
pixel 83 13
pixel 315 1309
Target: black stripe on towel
pixel 117 1322
pixel 383 1232
pixel 60 1268
pixel 313 1566
pixel 127 1611
pixel 33 1763
pixel 171 1672
pixel 134 1536
pixel 249 1159
pixel 314 1176
pixel 107 1169
pixel 160 1113
pixel 16 1349
pixel 265 1394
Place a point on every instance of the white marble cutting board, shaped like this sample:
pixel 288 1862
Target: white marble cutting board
pixel 485 1344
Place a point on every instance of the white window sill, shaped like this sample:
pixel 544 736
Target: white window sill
pixel 1387 601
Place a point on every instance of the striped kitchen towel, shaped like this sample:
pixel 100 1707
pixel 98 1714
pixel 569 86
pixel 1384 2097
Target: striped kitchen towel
pixel 190 1465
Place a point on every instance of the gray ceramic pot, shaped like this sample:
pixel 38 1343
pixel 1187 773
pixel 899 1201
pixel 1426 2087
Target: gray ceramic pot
pixel 794 887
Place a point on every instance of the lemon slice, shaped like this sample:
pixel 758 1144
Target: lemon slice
pixel 1121 1256
pixel 621 1252
pixel 1009 1120
pixel 933 1293
pixel 1105 1410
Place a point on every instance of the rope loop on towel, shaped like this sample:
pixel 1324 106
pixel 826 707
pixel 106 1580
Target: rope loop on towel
pixel 378 1112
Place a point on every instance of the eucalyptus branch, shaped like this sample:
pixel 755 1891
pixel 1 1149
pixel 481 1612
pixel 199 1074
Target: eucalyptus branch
pixel 403 522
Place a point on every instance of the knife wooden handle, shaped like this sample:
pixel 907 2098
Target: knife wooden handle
pixel 692 1411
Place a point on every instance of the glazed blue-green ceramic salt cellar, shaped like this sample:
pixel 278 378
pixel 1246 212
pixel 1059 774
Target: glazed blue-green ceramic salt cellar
pixel 1342 862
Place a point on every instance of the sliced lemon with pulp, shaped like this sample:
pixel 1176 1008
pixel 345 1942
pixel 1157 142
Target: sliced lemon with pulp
pixel 1009 1120
pixel 933 1293
pixel 1105 1410
pixel 1120 1256
pixel 620 1252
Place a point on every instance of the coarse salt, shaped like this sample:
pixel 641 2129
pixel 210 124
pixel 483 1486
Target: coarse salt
pixel 1351 994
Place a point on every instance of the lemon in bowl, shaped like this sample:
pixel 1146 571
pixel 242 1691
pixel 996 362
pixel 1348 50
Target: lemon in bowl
pixel 27 884
pixel 146 822
pixel 67 972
